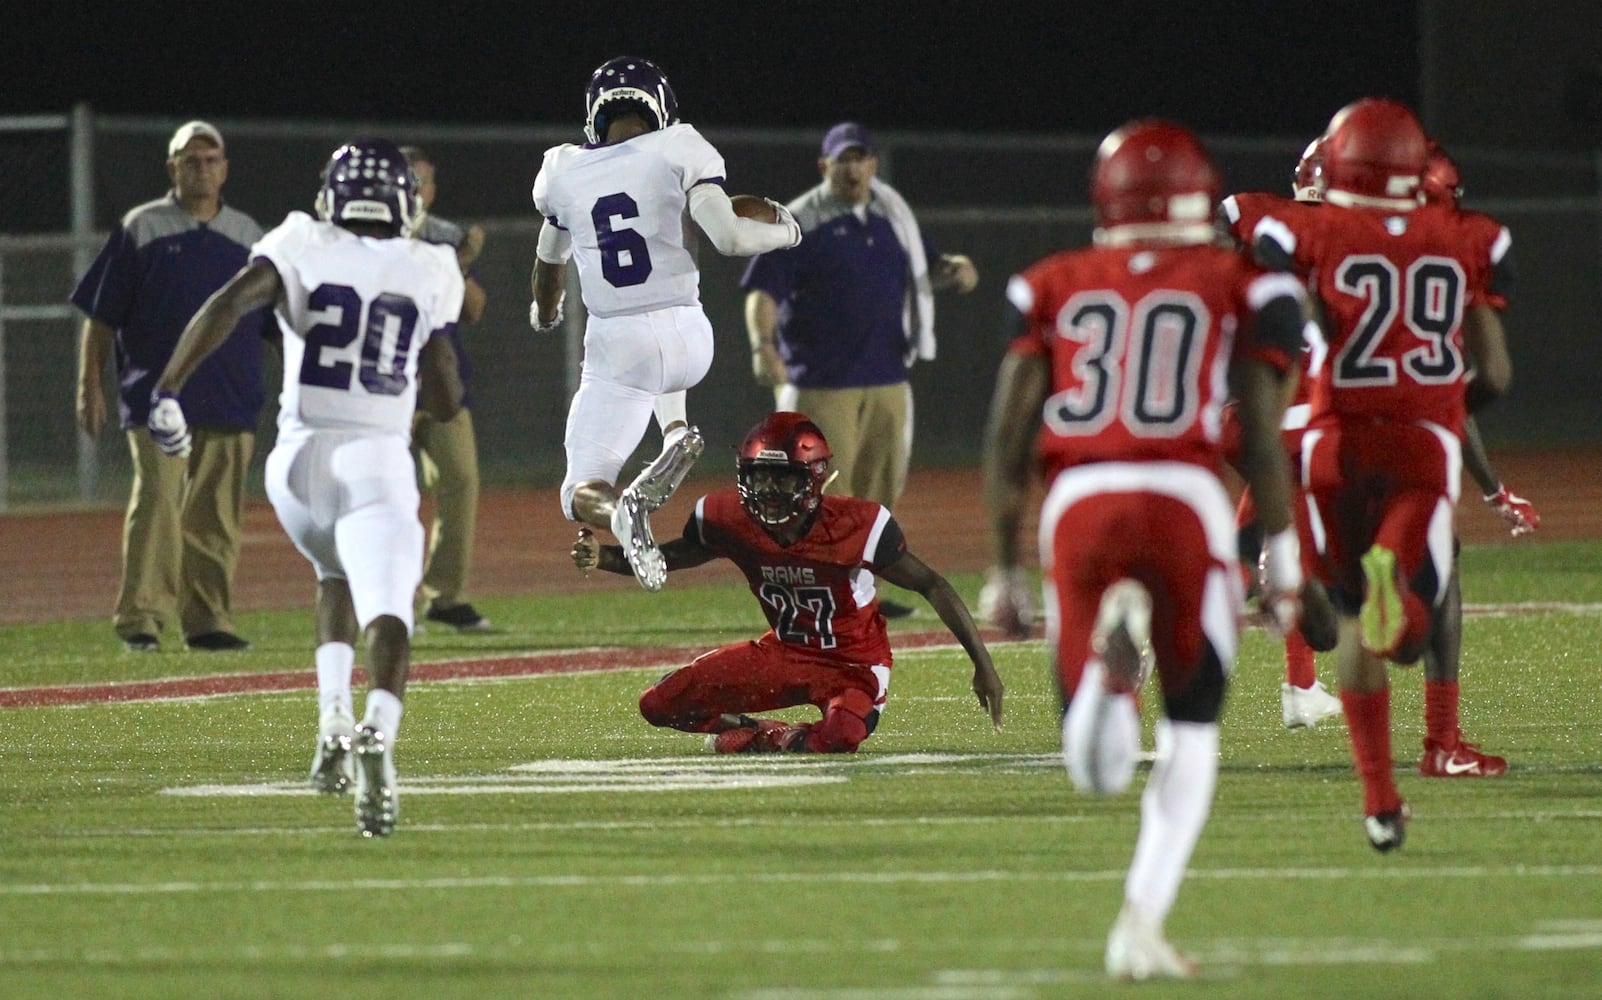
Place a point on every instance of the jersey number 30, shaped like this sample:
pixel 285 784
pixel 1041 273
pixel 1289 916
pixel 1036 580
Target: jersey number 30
pixel 1141 364
pixel 385 328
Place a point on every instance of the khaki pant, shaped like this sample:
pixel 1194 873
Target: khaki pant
pixel 869 431
pixel 447 466
pixel 180 538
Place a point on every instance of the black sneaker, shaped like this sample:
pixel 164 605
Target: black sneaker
pixel 890 609
pixel 217 642
pixel 1387 830
pixel 144 642
pixel 463 617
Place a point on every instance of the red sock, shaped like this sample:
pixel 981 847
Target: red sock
pixel 1440 712
pixel 1368 722
pixel 1298 661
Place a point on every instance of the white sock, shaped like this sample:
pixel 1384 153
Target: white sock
pixel 1100 735
pixel 1173 810
pixel 670 408
pixel 334 662
pixel 383 712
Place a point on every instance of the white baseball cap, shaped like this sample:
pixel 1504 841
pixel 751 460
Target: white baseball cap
pixel 193 130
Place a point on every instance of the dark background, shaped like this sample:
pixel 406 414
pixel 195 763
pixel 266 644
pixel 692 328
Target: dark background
pixel 1249 67
pixel 988 115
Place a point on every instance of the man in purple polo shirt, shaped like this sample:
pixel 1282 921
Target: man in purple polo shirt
pixel 181 534
pixel 836 322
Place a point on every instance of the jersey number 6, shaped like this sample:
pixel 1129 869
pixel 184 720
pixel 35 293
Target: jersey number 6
pixel 625 257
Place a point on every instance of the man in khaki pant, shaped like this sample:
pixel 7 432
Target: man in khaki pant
pixel 447 451
pixel 181 535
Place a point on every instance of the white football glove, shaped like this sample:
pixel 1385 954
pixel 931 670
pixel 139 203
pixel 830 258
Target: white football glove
pixel 787 220
pixel 1007 601
pixel 1279 572
pixel 167 425
pixel 534 317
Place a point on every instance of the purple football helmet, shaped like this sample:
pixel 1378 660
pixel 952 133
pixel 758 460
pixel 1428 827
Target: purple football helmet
pixel 632 81
pixel 369 180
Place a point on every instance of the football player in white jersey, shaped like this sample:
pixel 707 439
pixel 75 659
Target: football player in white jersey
pixel 361 310
pixel 617 205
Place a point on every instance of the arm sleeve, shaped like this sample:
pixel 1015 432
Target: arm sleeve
pixel 733 236
pixel 1020 320
pixel 892 543
pixel 1277 300
pixel 556 244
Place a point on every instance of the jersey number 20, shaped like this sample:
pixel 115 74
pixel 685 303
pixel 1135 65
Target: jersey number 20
pixel 385 328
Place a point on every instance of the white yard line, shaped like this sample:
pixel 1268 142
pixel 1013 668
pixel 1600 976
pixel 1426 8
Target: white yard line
pixel 657 881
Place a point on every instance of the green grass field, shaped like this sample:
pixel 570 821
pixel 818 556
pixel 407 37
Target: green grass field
pixel 551 844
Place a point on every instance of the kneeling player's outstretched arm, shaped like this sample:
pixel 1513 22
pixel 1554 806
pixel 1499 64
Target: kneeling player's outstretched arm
pixel 912 573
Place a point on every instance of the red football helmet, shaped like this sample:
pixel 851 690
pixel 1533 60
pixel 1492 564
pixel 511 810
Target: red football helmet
pixel 1442 184
pixel 1307 183
pixel 1374 152
pixel 783 467
pixel 1157 178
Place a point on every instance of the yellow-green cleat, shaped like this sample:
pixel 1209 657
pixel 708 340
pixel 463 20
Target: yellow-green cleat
pixel 1382 617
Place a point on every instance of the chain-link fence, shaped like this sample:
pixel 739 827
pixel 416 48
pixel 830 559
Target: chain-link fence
pixel 1003 200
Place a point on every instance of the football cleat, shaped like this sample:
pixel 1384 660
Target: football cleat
pixel 1122 636
pixel 1137 950
pixel 632 526
pixel 377 798
pixel 754 735
pixel 1462 760
pixel 660 480
pixel 333 768
pixel 1304 708
pixel 1382 617
pixel 1387 830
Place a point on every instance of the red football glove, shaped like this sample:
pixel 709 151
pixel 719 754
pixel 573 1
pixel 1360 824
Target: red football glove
pixel 1519 513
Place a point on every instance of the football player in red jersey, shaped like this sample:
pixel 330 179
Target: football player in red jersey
pixel 1304 702
pixel 1446 753
pixel 1405 302
pixel 812 561
pixel 1125 354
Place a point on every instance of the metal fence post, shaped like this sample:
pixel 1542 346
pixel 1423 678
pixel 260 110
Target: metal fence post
pixel 81 152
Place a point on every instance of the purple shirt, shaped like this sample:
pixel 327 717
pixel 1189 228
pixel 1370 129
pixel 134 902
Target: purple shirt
pixel 840 296
pixel 157 268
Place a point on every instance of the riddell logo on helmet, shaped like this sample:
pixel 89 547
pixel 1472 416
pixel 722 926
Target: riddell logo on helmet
pixel 772 455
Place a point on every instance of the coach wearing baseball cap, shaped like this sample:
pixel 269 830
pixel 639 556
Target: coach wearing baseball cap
pixel 181 534
pixel 836 322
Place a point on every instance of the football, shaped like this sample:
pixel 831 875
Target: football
pixel 749 206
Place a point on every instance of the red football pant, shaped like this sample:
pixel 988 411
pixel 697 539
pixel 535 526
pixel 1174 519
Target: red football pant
pixel 1376 482
pixel 1167 525
pixel 767 674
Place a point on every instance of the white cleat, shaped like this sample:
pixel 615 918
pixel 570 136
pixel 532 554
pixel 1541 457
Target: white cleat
pixel 658 481
pixel 1122 635
pixel 631 524
pixel 1304 708
pixel 333 769
pixel 1137 950
pixel 377 798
